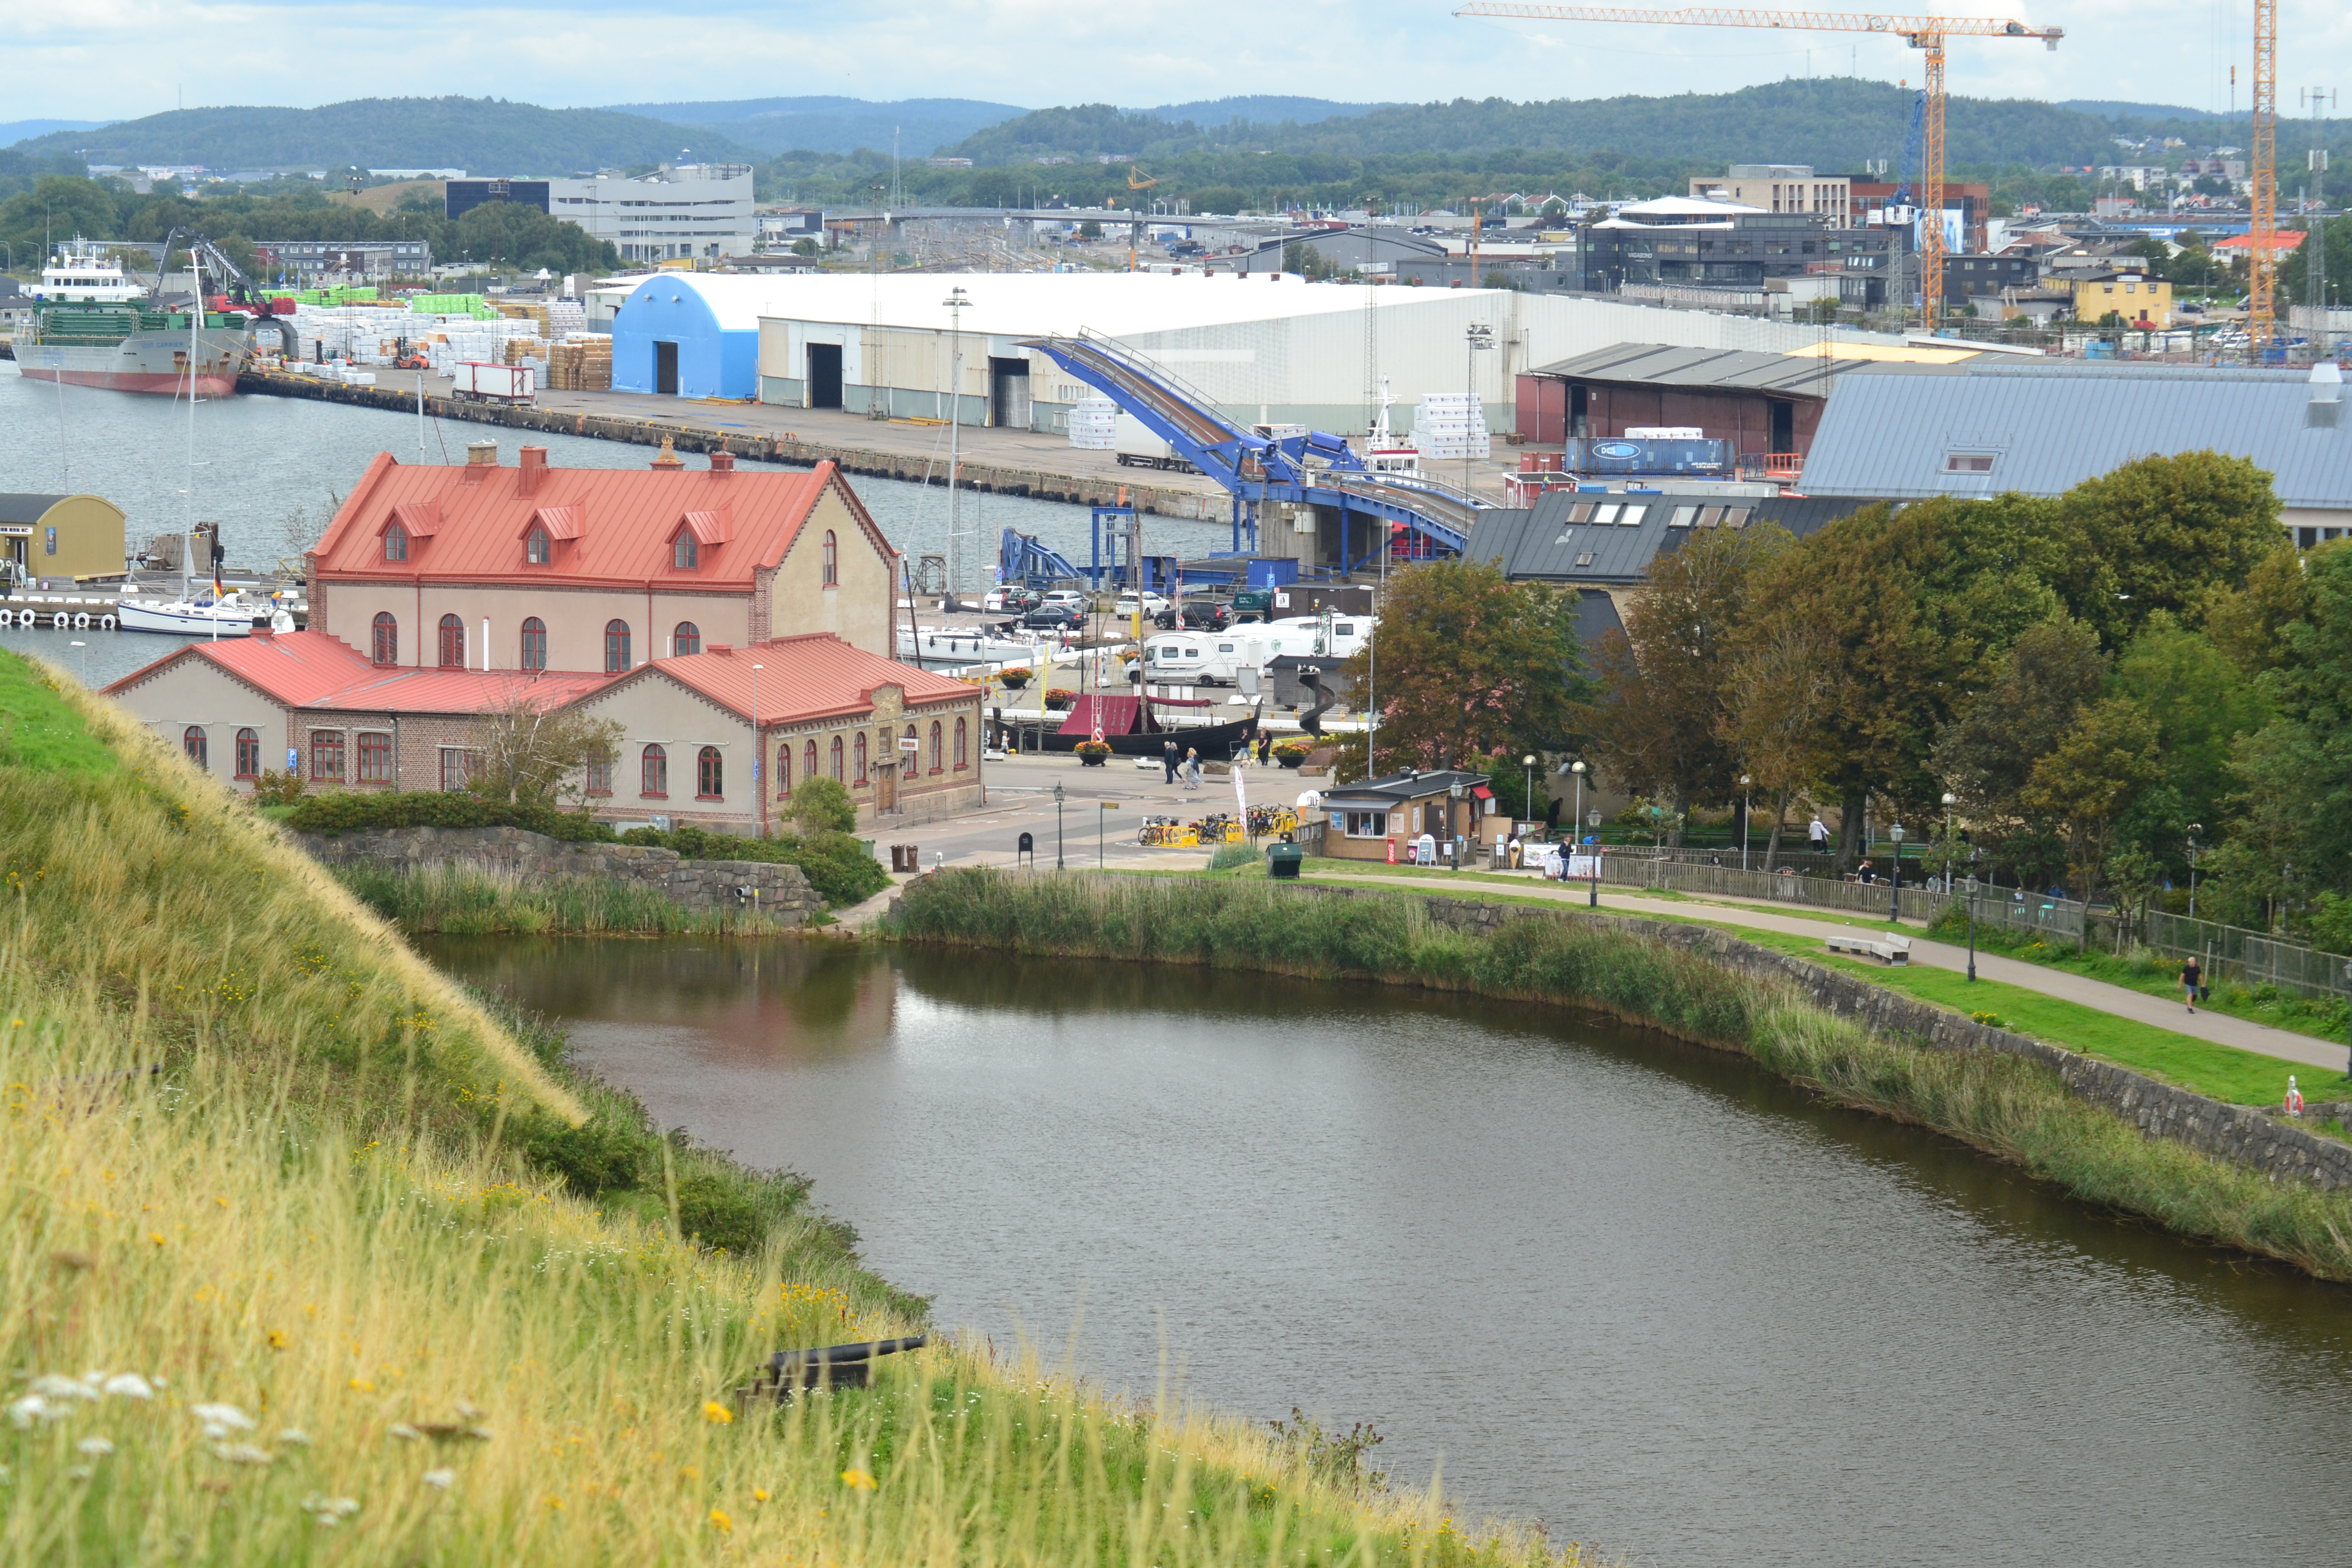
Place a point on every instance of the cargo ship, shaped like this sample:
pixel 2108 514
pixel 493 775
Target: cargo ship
pixel 94 325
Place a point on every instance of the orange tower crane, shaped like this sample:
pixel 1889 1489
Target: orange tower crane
pixel 2261 250
pixel 1924 33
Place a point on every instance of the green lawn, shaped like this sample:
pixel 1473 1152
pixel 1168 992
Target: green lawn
pixel 38 730
pixel 2225 1072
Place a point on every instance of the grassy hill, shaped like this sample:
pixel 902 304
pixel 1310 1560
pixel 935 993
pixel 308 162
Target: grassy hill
pixel 311 1258
pixel 481 135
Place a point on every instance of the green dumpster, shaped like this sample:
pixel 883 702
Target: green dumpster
pixel 1282 860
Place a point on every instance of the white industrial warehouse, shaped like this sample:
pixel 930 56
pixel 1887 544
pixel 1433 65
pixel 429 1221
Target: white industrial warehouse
pixel 1269 347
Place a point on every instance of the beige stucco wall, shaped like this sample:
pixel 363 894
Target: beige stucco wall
pixel 194 692
pixel 654 710
pixel 859 610
pixel 575 621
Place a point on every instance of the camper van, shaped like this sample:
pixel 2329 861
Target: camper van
pixel 1218 659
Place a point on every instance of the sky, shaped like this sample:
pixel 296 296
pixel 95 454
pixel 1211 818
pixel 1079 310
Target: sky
pixel 123 58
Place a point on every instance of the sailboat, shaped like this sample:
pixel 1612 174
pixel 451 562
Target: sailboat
pixel 224 613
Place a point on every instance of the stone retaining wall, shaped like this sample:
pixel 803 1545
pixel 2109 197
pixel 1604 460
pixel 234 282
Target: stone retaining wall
pixel 785 892
pixel 2261 1140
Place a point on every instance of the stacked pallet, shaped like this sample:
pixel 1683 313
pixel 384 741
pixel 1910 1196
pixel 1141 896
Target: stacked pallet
pixel 1092 421
pixel 1451 424
pixel 581 364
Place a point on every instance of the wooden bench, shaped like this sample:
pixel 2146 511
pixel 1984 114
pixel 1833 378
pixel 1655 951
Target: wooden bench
pixel 1886 949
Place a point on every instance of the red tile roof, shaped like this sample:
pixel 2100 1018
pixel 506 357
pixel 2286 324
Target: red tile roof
pixel 816 676
pixel 2282 241
pixel 314 670
pixel 611 526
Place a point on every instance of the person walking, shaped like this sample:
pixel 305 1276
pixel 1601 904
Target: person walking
pixel 1168 759
pixel 1819 834
pixel 2192 981
pixel 1191 768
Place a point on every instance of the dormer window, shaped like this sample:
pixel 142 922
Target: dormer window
pixel 684 554
pixel 395 542
pixel 537 548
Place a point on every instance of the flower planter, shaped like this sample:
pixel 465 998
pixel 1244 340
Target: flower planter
pixel 1093 760
pixel 1290 759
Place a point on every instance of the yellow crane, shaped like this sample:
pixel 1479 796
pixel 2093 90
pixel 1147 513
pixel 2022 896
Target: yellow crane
pixel 1924 33
pixel 2261 250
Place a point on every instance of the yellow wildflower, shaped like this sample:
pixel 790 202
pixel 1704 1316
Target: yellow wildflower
pixel 718 1415
pixel 719 1520
pixel 857 1480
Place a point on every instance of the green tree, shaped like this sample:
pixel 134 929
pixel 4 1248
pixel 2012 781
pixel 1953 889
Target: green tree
pixel 1986 755
pixel 1918 609
pixel 2163 533
pixel 822 805
pixel 2247 623
pixel 1664 721
pixel 2097 770
pixel 1470 665
pixel 2200 705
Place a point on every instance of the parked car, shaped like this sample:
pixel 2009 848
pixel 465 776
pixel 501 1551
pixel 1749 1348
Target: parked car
pixel 1198 614
pixel 1054 618
pixel 1068 598
pixel 1013 597
pixel 1152 604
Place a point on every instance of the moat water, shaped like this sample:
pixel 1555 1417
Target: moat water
pixel 1641 1292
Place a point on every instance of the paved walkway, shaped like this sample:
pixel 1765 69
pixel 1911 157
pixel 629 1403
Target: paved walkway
pixel 2119 1001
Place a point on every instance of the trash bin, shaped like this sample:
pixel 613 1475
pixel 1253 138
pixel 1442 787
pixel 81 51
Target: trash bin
pixel 1283 860
pixel 906 858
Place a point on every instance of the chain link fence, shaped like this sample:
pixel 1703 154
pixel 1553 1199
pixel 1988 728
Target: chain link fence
pixel 2249 957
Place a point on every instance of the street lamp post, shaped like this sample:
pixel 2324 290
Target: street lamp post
pixel 2194 828
pixel 1530 803
pixel 1950 800
pixel 1480 337
pixel 1059 863
pixel 1576 828
pixel 1103 808
pixel 1972 925
pixel 1896 881
pixel 1745 782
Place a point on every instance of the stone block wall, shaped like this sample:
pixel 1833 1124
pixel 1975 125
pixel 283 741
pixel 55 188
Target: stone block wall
pixel 2259 1138
pixel 784 891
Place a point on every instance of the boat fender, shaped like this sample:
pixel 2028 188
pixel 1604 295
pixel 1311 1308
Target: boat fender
pixel 106 623
pixel 81 620
pixel 62 621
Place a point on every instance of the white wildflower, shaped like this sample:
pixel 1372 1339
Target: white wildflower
pixel 242 1454
pixel 295 1437
pixel 405 1432
pixel 330 1510
pixel 55 1387
pixel 94 1447
pixel 127 1385
pixel 24 1412
pixel 440 1479
pixel 227 1418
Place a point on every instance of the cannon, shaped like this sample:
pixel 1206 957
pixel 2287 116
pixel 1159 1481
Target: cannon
pixel 827 1366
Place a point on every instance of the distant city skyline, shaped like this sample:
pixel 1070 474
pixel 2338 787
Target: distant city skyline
pixel 84 63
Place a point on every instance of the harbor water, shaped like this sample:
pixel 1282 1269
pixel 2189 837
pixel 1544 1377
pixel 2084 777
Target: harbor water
pixel 1644 1294
pixel 272 470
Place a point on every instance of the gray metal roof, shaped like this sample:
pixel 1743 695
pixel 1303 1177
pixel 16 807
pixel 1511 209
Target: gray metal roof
pixel 1563 539
pixel 1397 787
pixel 2049 425
pixel 1662 365
pixel 18 507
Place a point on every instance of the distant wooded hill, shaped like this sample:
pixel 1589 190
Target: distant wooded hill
pixel 1832 123
pixel 922 125
pixel 481 135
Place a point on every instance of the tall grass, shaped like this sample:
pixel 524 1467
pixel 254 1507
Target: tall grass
pixel 456 899
pixel 2006 1105
pixel 308 1258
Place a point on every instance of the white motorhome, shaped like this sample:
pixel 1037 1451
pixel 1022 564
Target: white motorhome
pixel 1218 659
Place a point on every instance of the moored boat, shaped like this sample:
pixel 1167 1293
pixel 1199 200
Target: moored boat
pixel 229 616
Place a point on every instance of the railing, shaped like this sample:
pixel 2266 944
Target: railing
pixel 1873 898
pixel 2250 957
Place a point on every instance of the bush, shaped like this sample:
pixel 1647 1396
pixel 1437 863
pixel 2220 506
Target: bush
pixel 822 805
pixel 274 788
pixel 351 811
pixel 838 866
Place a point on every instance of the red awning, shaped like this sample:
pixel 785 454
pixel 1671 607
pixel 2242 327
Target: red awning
pixel 1481 792
pixel 1120 715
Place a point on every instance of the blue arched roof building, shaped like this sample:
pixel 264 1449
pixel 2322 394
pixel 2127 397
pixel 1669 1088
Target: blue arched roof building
pixel 692 335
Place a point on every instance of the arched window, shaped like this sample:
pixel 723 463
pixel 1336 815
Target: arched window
pixel 249 753
pixel 861 759
pixel 936 761
pixel 536 547
pixel 453 643
pixel 784 769
pixel 654 772
pixel 963 757
pixel 709 774
pixel 684 555
pixel 534 644
pixel 808 761
pixel 199 750
pixel 386 638
pixel 686 639
pixel 395 542
pixel 836 760
pixel 832 560
pixel 616 647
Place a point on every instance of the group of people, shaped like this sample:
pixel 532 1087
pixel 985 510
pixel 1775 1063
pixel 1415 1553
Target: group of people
pixel 1189 768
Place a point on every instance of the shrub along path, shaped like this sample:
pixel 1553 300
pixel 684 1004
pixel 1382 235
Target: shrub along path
pixel 2176 1059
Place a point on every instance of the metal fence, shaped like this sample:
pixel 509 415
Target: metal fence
pixel 2249 957
pixel 1875 899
